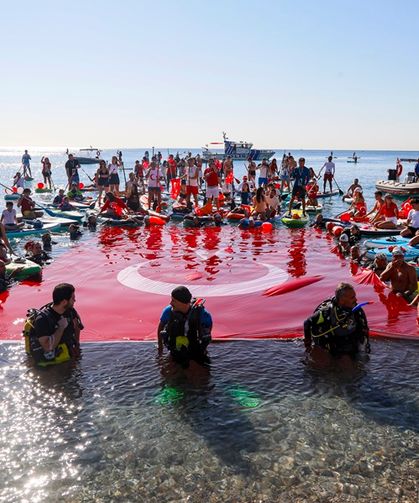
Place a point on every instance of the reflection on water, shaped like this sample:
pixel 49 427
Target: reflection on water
pixel 125 425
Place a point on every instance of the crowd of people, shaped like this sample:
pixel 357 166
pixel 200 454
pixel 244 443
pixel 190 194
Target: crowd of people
pixel 338 326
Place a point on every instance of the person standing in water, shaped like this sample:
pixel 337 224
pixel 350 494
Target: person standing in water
pixel 185 328
pixel 329 173
pixel 26 163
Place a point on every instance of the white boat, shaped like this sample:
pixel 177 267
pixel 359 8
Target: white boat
pixel 237 150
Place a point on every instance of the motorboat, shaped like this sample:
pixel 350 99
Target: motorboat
pixel 237 150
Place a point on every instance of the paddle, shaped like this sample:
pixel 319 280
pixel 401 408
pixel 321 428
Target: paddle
pixel 91 179
pixel 337 185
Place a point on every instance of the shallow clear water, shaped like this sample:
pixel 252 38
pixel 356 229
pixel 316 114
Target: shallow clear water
pixel 122 425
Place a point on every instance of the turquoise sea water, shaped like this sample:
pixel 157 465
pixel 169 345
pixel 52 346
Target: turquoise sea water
pixel 123 425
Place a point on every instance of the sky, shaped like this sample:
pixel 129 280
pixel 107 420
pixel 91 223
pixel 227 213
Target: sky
pixel 285 73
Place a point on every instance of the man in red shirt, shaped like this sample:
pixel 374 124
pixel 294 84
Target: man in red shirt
pixel 26 204
pixel 114 207
pixel 212 180
pixel 171 169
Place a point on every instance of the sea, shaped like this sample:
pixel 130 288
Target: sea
pixel 260 425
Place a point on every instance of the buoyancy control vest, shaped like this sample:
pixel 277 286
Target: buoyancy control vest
pixel 69 346
pixel 336 329
pixel 184 333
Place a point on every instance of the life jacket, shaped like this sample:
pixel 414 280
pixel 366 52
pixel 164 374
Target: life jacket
pixel 184 333
pixel 336 329
pixel 68 347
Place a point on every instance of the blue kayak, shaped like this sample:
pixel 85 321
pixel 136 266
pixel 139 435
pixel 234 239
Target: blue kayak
pixel 410 253
pixel 384 242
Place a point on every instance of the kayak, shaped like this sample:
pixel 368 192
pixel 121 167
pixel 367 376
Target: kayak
pixel 63 222
pixel 42 191
pixel 28 269
pixel 30 229
pixel 368 230
pixel 385 242
pixel 314 209
pixel 11 197
pixel 410 252
pixel 295 220
pixel 327 194
pixel 122 222
pixel 72 215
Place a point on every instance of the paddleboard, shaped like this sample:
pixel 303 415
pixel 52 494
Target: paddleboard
pixel 295 219
pixel 28 269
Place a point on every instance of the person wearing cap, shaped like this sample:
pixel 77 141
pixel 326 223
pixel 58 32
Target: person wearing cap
pixel 27 204
pixel 402 276
pixel 344 245
pixel 389 212
pixel 337 328
pixel 329 173
pixel 185 328
pixel 351 189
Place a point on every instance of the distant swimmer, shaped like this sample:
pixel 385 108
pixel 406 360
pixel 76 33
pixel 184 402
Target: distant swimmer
pixel 26 164
pixel 338 327
pixel 185 328
pixel 52 332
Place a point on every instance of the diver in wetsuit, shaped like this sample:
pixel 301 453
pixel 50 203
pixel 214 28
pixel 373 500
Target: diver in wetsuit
pixel 338 327
pixel 185 328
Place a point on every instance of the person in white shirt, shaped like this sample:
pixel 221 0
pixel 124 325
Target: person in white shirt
pixel 154 189
pixel 412 224
pixel 191 181
pixel 263 173
pixel 9 219
pixel 329 173
pixel 272 201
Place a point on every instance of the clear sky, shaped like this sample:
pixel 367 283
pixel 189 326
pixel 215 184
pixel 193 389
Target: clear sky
pixel 285 73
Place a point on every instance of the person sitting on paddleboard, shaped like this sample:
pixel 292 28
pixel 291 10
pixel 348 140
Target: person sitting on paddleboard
pixel 259 204
pixel 75 193
pixel 272 201
pixel 312 190
pixel 59 198
pixel 27 204
pixel 9 218
pixel 402 276
pixel 337 328
pixel 114 207
pixel 185 328
pixel 301 177
pixel 355 185
pixel 379 201
pixel 412 224
pixel 358 207
pixel 66 205
pixel 390 212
